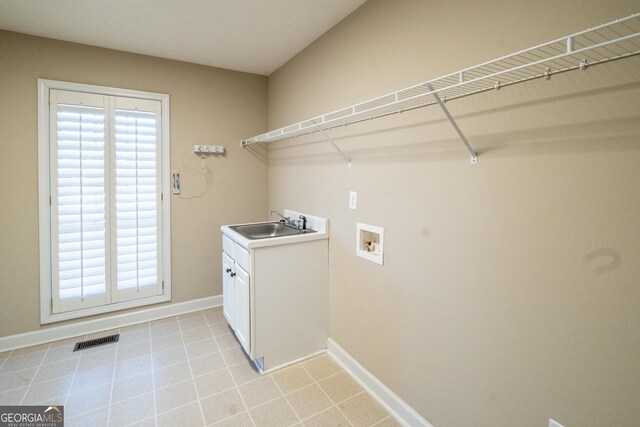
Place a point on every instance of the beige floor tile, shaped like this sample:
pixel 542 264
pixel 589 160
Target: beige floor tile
pixel 163 321
pixel 221 406
pixel 309 401
pixel 134 336
pixel 22 361
pixel 195 335
pixel 130 411
pixel 321 367
pixel 215 318
pixel 166 342
pixel 175 395
pixel 47 390
pixel 259 391
pixel 17 379
pixel 134 327
pixel 12 397
pixel 56 370
pixel 331 417
pixel 292 378
pixel 274 413
pixel 148 422
pixel 95 418
pixel 363 410
pixel 193 314
pixel 193 323
pixel 227 341
pixel 162 329
pixel 340 387
pixel 235 355
pixel 213 383
pixel 211 310
pixel 244 372
pixel 171 375
pixel 205 364
pixel 240 420
pixel 92 378
pixel 220 329
pixel 30 350
pixel 388 422
pixel 68 342
pixel 188 415
pixel 95 360
pixel 87 400
pixel 133 350
pixel 200 348
pixel 132 387
pixel 56 354
pixel 169 357
pixel 133 367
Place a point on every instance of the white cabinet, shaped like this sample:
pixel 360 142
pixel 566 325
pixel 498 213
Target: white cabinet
pixel 236 293
pixel 276 296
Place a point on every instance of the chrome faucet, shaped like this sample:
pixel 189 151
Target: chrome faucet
pixel 300 224
pixel 285 220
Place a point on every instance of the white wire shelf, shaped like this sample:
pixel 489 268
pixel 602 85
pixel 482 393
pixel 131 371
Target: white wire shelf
pixel 608 42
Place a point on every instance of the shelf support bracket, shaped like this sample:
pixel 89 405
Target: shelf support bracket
pixel 474 155
pixel 328 138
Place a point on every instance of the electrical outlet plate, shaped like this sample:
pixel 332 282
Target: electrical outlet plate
pixel 353 200
pixel 553 423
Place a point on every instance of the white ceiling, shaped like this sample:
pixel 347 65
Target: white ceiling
pixel 256 36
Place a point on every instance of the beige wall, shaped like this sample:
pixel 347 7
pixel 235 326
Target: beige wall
pixel 208 106
pixel 488 310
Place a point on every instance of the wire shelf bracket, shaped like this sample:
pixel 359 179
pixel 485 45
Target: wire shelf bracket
pixel 612 41
pixel 474 155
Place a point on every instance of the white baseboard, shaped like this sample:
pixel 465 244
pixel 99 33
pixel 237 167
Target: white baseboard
pixel 55 333
pixel 401 411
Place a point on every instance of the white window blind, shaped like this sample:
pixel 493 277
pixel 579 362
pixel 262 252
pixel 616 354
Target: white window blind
pixel 106 207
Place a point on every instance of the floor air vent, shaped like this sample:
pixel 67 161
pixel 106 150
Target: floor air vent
pixel 96 342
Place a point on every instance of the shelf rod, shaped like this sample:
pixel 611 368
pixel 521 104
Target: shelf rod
pixel 474 155
pixel 344 156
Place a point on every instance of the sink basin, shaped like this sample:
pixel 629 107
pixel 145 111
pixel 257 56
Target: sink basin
pixel 267 230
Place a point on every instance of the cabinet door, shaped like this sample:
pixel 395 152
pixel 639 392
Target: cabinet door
pixel 228 291
pixel 243 312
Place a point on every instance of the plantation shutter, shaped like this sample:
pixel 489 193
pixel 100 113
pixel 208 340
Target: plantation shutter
pixel 79 200
pixel 106 207
pixel 137 198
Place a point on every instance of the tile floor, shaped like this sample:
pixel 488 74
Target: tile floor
pixel 187 370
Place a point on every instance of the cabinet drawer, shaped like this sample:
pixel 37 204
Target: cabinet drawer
pixel 227 245
pixel 241 256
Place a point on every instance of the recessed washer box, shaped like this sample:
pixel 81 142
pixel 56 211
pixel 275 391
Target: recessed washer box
pixel 370 242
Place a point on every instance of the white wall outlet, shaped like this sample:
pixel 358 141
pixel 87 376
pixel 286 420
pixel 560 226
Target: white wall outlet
pixel 553 423
pixel 353 200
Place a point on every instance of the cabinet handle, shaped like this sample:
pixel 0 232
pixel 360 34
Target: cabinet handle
pixel 233 274
pixel 228 270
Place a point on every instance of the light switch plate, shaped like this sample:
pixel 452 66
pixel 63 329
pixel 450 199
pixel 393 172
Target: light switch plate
pixel 353 200
pixel 553 423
